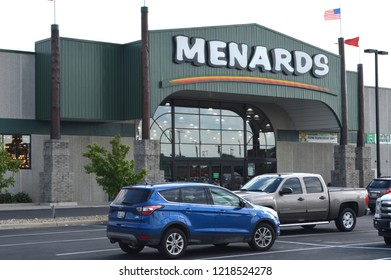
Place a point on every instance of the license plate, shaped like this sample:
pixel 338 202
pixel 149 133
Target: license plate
pixel 120 214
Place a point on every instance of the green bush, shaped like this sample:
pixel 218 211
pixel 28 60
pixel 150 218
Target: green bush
pixel 20 197
pixel 6 198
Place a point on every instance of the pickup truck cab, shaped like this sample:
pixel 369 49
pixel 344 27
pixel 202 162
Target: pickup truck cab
pixel 304 199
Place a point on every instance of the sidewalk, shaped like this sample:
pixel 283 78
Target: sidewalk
pixel 30 215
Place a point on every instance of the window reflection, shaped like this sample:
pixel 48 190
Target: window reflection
pixel 213 133
pixel 18 147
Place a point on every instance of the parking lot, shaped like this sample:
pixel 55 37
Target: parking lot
pixel 89 242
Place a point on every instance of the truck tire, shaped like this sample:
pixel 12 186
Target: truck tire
pixel 346 220
pixel 387 240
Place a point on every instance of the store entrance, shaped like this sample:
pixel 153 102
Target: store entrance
pixel 230 175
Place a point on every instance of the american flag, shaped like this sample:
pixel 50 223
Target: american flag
pixel 332 14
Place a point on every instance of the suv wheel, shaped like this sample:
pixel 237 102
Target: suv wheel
pixel 346 220
pixel 173 244
pixel 387 240
pixel 130 249
pixel 263 237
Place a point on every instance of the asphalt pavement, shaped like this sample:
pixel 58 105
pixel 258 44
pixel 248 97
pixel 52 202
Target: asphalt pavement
pixel 35 215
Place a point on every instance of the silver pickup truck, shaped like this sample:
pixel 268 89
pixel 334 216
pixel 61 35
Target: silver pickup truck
pixel 303 199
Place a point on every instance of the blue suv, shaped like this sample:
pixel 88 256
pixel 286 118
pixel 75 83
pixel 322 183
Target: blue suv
pixel 171 216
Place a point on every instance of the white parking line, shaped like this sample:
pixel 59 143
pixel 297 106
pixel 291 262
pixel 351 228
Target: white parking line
pixel 51 242
pixel 87 252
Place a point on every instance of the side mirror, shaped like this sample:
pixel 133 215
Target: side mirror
pixel 242 203
pixel 285 190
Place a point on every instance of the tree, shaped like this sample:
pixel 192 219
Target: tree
pixel 7 164
pixel 113 171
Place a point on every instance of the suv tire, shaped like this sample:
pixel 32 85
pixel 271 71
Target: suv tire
pixel 130 249
pixel 263 237
pixel 387 240
pixel 173 244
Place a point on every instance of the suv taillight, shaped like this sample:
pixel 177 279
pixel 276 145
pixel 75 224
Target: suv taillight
pixel 388 191
pixel 147 210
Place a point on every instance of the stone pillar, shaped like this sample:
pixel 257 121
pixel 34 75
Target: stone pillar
pixel 345 173
pixel 147 155
pixel 56 180
pixel 363 165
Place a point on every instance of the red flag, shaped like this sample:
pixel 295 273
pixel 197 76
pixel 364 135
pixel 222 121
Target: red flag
pixel 352 42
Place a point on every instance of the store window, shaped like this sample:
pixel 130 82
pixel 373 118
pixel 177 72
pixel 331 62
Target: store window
pixel 212 132
pixel 18 147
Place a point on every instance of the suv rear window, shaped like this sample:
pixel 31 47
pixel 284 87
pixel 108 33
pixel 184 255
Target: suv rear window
pixel 132 196
pixel 380 184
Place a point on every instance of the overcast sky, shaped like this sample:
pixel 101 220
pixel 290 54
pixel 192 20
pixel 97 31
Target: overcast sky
pixel 23 22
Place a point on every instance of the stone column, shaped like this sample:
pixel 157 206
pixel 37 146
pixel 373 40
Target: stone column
pixel 147 155
pixel 56 180
pixel 345 173
pixel 363 165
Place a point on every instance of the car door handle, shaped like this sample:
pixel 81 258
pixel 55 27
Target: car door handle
pixel 300 199
pixel 322 197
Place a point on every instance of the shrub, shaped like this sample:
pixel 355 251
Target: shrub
pixel 22 197
pixel 6 198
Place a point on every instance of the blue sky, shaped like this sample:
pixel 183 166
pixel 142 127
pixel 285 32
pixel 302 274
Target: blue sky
pixel 23 22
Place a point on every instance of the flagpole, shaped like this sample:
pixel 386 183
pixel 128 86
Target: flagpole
pixel 54 11
pixel 340 21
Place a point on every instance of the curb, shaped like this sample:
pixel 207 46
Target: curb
pixel 53 222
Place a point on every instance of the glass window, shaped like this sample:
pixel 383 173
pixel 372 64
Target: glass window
pixel 185 121
pixel 313 185
pixel 232 123
pixel 18 147
pixel 210 122
pixel 294 184
pixel 194 195
pixel 132 196
pixel 224 198
pixel 171 195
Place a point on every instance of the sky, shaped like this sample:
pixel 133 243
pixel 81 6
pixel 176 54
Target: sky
pixel 23 22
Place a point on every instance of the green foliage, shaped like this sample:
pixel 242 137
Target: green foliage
pixel 113 171
pixel 6 198
pixel 20 197
pixel 7 164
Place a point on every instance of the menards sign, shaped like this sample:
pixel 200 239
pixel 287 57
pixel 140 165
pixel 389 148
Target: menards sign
pixel 214 53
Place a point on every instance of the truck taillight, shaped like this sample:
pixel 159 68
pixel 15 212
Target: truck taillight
pixel 147 210
pixel 388 191
pixel 366 199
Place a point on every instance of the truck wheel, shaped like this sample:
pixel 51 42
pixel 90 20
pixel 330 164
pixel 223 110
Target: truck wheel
pixel 346 220
pixel 130 249
pixel 387 240
pixel 263 237
pixel 173 244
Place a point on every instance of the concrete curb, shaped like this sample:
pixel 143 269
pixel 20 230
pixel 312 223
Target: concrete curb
pixel 53 222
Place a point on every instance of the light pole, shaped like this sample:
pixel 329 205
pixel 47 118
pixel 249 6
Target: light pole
pixel 377 52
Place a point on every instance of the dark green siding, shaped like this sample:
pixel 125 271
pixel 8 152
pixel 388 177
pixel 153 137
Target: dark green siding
pixel 96 81
pixel 132 80
pixel 19 126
